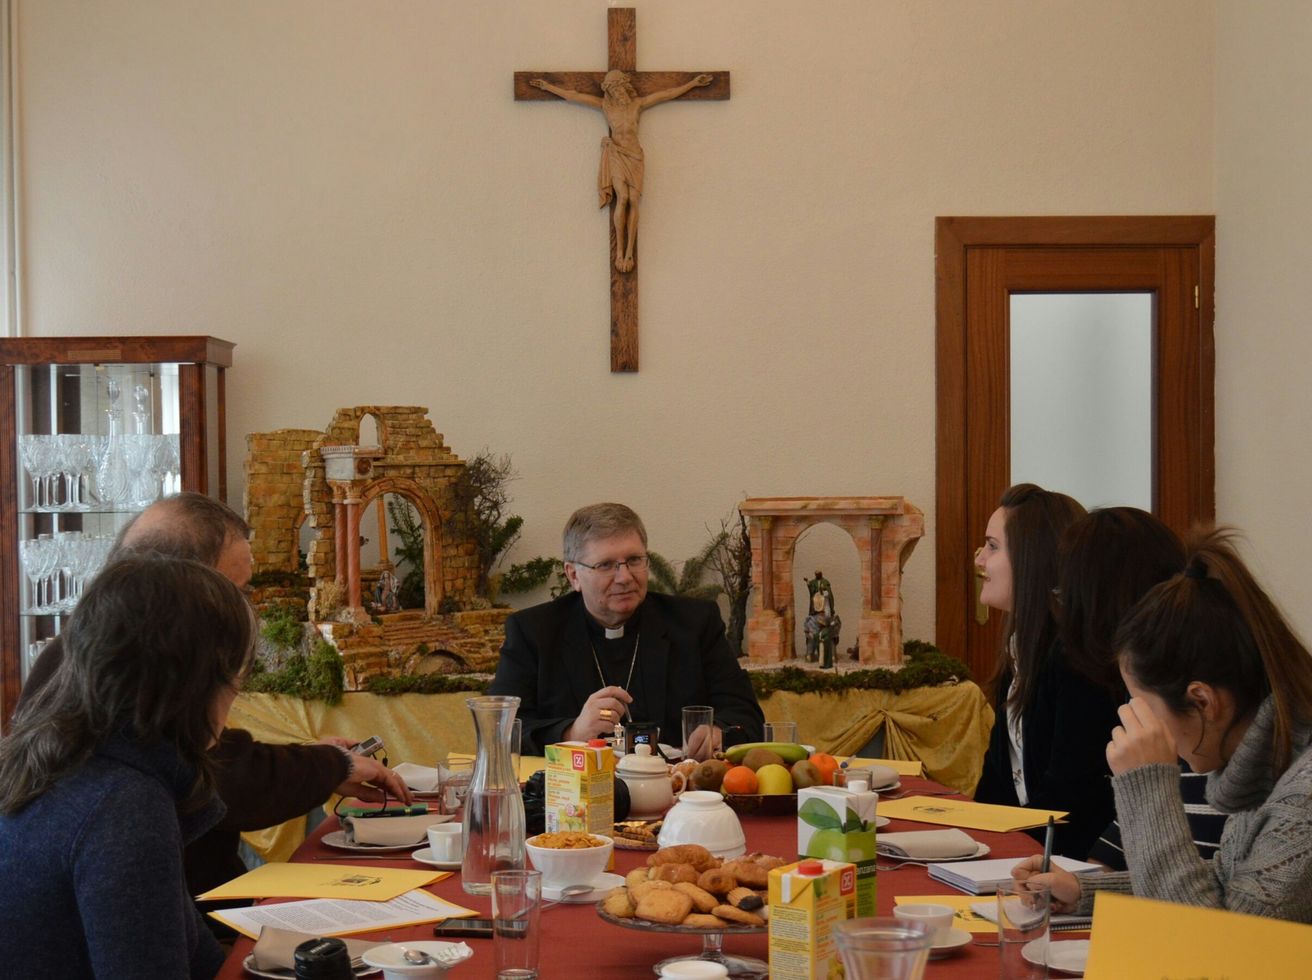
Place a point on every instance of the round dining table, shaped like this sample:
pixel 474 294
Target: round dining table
pixel 576 942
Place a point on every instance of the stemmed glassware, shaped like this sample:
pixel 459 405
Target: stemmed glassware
pixel 58 566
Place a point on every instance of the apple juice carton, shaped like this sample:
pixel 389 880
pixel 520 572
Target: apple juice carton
pixel 807 900
pixel 581 787
pixel 837 823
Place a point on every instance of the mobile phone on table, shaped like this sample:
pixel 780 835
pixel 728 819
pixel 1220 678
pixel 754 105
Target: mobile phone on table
pixel 369 746
pixel 476 928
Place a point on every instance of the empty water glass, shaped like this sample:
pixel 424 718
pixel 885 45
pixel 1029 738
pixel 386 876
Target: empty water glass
pixel 883 948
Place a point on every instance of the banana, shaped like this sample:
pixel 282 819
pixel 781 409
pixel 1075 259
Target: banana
pixel 790 752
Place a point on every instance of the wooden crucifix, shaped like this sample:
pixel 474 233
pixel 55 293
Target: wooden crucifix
pixel 621 93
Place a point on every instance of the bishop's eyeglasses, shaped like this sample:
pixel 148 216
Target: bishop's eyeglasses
pixel 634 563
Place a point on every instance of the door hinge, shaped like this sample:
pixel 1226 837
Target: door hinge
pixel 1195 297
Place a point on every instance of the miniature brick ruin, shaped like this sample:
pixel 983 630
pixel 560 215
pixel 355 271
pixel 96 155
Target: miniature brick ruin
pixel 885 531
pixel 328 479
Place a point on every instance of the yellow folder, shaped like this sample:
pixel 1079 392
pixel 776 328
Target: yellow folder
pixel 1144 939
pixel 967 813
pixel 903 767
pixel 314 880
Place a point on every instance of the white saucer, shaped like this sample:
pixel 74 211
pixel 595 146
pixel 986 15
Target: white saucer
pixel 248 964
pixel 604 883
pixel 338 840
pixel 982 851
pixel 895 784
pixel 388 956
pixel 882 821
pixel 1063 955
pixel 956 939
pixel 425 856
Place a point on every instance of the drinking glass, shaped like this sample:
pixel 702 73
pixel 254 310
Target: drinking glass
pixel 882 948
pixel 516 907
pixel 698 732
pixel 781 731
pixel 1023 920
pixel 453 785
pixel 516 738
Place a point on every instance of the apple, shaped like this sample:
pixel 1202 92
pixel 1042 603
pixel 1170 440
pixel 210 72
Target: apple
pixel 774 780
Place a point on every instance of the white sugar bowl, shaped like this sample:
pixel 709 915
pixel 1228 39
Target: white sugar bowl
pixel 702 817
pixel 648 779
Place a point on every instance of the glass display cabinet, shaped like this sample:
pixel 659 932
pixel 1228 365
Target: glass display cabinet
pixel 92 430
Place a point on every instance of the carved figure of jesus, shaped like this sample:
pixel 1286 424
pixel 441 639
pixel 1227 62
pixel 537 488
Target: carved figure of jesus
pixel 620 173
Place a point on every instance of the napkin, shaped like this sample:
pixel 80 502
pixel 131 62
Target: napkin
pixel 422 779
pixel 276 948
pixel 390 831
pixel 928 845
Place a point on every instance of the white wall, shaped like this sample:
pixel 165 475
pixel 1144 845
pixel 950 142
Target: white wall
pixel 1263 344
pixel 348 192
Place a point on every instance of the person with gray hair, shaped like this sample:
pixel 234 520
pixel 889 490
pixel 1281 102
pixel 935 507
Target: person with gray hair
pixel 261 784
pixel 610 652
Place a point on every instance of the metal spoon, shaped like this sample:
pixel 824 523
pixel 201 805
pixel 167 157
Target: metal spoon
pixel 569 891
pixel 416 956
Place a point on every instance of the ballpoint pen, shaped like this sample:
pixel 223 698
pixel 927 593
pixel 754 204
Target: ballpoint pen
pixel 1047 849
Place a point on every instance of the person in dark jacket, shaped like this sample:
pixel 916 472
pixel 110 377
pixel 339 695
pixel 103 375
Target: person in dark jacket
pixel 261 784
pixel 610 652
pixel 1046 747
pixel 104 776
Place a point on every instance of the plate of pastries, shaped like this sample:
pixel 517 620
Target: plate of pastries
pixel 687 889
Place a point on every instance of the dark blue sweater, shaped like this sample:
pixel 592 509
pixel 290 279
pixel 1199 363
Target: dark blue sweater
pixel 92 872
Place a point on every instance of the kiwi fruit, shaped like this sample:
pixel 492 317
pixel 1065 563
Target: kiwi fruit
pixel 757 758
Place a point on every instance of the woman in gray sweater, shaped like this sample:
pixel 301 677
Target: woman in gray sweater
pixel 1217 677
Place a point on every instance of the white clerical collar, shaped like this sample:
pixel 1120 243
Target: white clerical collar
pixel 616 633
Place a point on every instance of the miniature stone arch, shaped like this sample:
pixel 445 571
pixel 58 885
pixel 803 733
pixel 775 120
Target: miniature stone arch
pixel 885 531
pixel 342 478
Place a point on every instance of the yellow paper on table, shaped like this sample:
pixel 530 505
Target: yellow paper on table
pixel 964 917
pixel 313 880
pixel 903 767
pixel 1144 939
pixel 967 813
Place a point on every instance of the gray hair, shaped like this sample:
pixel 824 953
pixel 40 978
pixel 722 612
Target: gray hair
pixel 185 525
pixel 597 521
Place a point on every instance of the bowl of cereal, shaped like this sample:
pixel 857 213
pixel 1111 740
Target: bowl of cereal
pixel 569 857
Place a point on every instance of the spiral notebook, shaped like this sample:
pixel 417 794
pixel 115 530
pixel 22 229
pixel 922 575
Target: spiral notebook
pixel 984 877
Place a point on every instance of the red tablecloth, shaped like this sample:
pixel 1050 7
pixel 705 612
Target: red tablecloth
pixel 575 942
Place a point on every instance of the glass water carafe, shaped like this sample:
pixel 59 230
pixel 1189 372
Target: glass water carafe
pixel 494 809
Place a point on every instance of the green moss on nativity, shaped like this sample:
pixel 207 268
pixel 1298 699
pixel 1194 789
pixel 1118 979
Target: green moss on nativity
pixel 316 676
pixel 925 666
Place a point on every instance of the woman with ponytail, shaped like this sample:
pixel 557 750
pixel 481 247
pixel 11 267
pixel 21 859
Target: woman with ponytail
pixel 104 776
pixel 1217 677
pixel 1045 750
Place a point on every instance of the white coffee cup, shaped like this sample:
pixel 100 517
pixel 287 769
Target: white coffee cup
pixel 446 841
pixel 937 917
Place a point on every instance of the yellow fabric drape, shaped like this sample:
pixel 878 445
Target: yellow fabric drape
pixel 947 728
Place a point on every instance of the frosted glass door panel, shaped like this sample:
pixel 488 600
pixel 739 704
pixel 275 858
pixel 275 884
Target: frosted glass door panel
pixel 1082 395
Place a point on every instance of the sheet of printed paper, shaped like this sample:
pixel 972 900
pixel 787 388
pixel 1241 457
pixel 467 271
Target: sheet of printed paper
pixel 1144 939
pixel 966 813
pixel 964 917
pixel 312 880
pixel 903 767
pixel 341 917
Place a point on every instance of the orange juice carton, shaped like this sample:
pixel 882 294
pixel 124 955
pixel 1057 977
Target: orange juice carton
pixel 837 823
pixel 581 787
pixel 807 900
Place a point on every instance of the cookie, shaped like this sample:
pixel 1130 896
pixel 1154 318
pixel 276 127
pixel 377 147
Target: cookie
pixel 702 900
pixel 617 903
pixel 665 906
pixel 640 890
pixel 747 873
pixel 738 916
pixel 674 873
pixel 745 899
pixel 717 881
pixel 698 920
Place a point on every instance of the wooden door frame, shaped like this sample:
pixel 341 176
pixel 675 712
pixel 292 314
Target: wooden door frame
pixel 954 237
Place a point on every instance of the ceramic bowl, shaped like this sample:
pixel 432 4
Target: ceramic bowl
pixel 702 817
pixel 561 866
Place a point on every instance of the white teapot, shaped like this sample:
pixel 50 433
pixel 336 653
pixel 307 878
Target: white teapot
pixel 648 779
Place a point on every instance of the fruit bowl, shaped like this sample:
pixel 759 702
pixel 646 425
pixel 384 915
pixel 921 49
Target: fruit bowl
pixel 764 804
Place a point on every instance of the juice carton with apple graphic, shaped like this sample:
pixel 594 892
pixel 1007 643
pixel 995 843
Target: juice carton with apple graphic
pixel 837 823
pixel 580 787
pixel 807 900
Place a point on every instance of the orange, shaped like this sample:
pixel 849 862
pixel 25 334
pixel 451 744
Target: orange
pixel 739 779
pixel 827 765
